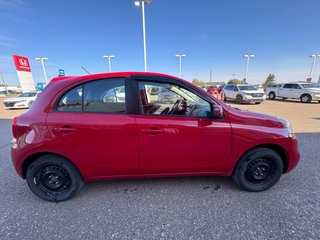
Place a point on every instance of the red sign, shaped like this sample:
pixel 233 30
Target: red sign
pixel 22 63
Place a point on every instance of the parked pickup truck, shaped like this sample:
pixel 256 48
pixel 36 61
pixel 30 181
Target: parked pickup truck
pixel 306 92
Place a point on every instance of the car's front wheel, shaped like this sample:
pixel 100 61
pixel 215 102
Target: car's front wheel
pixel 53 178
pixel 239 99
pixel 258 169
pixel 305 98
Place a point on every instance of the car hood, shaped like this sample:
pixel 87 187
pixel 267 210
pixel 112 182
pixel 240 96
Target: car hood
pixel 245 117
pixel 17 99
pixel 313 89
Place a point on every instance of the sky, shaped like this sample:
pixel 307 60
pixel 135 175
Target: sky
pixel 214 34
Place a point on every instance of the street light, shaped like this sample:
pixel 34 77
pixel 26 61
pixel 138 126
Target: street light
pixel 180 56
pixel 247 56
pixel 142 3
pixel 109 57
pixel 44 70
pixel 314 56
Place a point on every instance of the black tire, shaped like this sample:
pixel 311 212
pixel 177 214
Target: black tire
pixel 305 98
pixel 272 95
pixel 239 99
pixel 53 178
pixel 258 170
pixel 257 102
pixel 318 101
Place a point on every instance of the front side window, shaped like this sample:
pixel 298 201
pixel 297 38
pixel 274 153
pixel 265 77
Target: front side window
pixel 100 96
pixel 287 86
pixel 170 99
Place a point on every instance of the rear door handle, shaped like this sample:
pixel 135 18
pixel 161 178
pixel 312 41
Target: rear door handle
pixel 65 129
pixel 152 131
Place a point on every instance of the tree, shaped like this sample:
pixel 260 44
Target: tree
pixel 271 79
pixel 198 83
pixel 234 81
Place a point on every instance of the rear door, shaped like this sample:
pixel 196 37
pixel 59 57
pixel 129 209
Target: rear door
pixel 91 126
pixel 178 135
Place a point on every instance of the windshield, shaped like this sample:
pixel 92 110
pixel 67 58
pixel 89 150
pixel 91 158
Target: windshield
pixel 28 94
pixel 311 85
pixel 246 88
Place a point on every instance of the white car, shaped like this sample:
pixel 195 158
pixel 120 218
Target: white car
pixel 24 100
pixel 243 93
pixel 304 91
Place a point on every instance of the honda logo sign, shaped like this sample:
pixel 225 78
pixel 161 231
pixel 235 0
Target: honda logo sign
pixel 22 63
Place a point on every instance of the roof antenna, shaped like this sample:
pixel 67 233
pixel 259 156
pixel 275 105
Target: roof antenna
pixel 85 70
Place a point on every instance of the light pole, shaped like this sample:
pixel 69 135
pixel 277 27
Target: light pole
pixel 247 56
pixel 180 56
pixel 142 3
pixel 109 60
pixel 314 56
pixel 43 68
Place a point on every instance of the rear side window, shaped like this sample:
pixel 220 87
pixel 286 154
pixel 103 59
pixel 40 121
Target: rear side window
pixel 71 101
pixel 100 96
pixel 105 96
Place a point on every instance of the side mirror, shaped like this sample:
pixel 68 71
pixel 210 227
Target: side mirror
pixel 217 112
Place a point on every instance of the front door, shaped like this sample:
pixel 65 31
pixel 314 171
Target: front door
pixel 177 133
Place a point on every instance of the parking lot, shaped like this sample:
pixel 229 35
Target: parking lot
pixel 173 208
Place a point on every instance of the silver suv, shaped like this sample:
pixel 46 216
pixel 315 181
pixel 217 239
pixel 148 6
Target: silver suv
pixel 243 93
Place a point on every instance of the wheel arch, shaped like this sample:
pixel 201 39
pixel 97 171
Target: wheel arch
pixel 278 149
pixel 30 159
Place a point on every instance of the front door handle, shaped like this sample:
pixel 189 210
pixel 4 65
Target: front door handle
pixel 152 131
pixel 65 129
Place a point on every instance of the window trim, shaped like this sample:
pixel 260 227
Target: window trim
pixel 73 86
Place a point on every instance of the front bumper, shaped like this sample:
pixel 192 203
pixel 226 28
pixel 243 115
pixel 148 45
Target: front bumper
pixel 316 97
pixel 248 98
pixel 11 105
pixel 293 153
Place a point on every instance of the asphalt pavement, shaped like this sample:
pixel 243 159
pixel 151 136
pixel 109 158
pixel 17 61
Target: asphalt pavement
pixel 166 208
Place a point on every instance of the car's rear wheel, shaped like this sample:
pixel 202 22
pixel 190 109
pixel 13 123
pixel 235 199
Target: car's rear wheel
pixel 305 98
pixel 272 96
pixel 258 170
pixel 239 99
pixel 53 178
pixel 257 102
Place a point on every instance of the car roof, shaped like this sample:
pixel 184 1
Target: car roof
pixel 109 75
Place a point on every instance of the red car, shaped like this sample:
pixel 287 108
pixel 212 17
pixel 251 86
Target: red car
pixel 107 126
pixel 213 89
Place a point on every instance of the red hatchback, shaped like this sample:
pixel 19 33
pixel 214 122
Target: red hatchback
pixel 108 126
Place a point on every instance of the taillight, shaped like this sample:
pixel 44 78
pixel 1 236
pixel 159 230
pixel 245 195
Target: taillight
pixel 14 127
